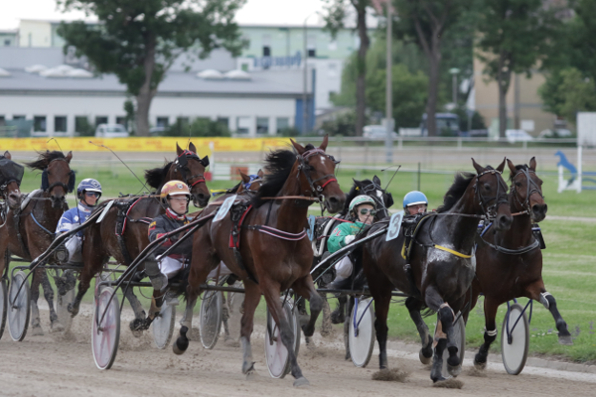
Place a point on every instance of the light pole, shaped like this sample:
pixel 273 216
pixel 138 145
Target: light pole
pixel 454 72
pixel 389 89
pixel 305 79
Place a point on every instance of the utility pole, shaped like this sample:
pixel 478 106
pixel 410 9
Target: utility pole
pixel 389 89
pixel 305 80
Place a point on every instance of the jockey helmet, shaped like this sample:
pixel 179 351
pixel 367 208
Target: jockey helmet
pixel 362 199
pixel 174 188
pixel 414 198
pixel 88 185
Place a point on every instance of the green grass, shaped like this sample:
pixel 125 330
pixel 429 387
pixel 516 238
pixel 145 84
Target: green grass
pixel 568 260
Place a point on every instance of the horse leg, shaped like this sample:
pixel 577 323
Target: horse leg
pixel 139 324
pixel 252 298
pixel 349 304
pixel 443 335
pixel 326 327
pixel 48 293
pixel 182 342
pixel 426 352
pixel 306 289
pixel 35 322
pixel 537 292
pixel 490 333
pixel 93 266
pixel 338 316
pixel 271 291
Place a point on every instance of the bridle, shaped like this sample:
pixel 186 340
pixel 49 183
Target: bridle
pixel 253 179
pixel 182 167
pixel 491 210
pixel 305 168
pixel 48 188
pixel 531 188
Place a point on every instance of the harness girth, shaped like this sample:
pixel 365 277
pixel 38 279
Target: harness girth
pixel 238 214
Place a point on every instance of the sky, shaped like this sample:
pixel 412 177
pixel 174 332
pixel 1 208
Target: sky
pixel 292 12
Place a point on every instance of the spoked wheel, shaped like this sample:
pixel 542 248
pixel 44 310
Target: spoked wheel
pixel 105 333
pixel 459 329
pixel 210 318
pixel 163 325
pixel 3 305
pixel 276 354
pixel 19 307
pixel 515 339
pixel 64 316
pixel 362 332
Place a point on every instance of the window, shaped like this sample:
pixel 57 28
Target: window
pixel 121 120
pixel 18 117
pixel 262 125
pixel 83 126
pixel 283 123
pixel 6 42
pixel 184 121
pixel 223 121
pixel 2 121
pixel 60 124
pixel 163 122
pixel 266 51
pixel 312 45
pixel 39 124
pixel 242 125
pixel 101 120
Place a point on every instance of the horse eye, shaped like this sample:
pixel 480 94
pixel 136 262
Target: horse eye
pixel 486 187
pixel 518 184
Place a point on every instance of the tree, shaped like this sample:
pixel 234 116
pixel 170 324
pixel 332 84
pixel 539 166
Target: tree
pixel 425 22
pixel 336 14
pixel 139 40
pixel 514 36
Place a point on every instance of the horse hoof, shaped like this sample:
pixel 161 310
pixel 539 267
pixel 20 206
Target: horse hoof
pixel 252 375
pixel 565 340
pixel 248 367
pixel 454 371
pixel 72 310
pixel 440 378
pixel 37 331
pixel 337 317
pixel 480 366
pixel 302 381
pixel 423 359
pixel 177 351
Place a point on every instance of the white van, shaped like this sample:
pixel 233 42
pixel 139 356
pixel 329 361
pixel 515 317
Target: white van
pixel 111 131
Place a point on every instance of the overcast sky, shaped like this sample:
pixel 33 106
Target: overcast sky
pixel 254 11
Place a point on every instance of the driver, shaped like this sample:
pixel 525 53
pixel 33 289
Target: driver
pixel 176 196
pixel 88 193
pixel 415 203
pixel 362 210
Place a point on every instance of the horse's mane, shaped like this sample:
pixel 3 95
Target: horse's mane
pixel 44 159
pixel 278 166
pixel 518 167
pixel 456 191
pixel 156 176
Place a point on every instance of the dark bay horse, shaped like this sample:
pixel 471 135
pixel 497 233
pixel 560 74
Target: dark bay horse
pixel 11 175
pixel 440 268
pixel 122 234
pixel 511 266
pixel 273 253
pixel 28 232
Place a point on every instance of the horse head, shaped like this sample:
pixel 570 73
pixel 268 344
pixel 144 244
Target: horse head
pixel 316 174
pixel 57 179
pixel 490 193
pixel 526 190
pixel 11 175
pixel 250 182
pixel 372 189
pixel 190 168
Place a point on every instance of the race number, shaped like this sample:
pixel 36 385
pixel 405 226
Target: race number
pixel 394 226
pixel 225 208
pixel 310 232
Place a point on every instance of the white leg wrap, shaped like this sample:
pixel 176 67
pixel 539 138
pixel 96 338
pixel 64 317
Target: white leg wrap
pixel 543 299
pixel 492 332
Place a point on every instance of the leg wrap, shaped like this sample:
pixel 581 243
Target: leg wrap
pixel 544 299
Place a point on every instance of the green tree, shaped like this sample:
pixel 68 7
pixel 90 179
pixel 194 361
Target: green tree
pixel 335 17
pixel 514 36
pixel 139 40
pixel 425 22
pixel 199 127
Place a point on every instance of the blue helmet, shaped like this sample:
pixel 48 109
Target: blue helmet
pixel 414 198
pixel 88 185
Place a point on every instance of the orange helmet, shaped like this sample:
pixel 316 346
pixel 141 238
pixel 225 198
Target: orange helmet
pixel 174 188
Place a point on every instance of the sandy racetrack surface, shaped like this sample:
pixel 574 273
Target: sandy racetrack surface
pixel 62 365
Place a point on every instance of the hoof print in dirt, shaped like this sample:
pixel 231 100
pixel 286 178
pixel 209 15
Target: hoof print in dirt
pixel 450 383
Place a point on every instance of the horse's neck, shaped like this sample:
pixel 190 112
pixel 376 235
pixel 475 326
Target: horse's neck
pixel 291 217
pixel 520 233
pixel 460 230
pixel 45 214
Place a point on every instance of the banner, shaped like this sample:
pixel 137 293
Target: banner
pixel 142 144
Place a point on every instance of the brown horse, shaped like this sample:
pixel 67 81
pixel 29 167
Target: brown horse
pixel 28 232
pixel 272 253
pixel 440 269
pixel 11 175
pixel 130 217
pixel 509 265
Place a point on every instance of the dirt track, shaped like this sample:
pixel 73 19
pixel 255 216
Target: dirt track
pixel 56 365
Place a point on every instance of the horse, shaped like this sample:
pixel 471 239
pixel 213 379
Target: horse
pixel 439 268
pixel 29 230
pixel 271 253
pixel 130 217
pixel 11 175
pixel 509 263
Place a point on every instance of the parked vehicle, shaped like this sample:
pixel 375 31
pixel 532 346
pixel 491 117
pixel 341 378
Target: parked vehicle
pixel 556 133
pixel 447 124
pixel 111 131
pixel 518 136
pixel 377 132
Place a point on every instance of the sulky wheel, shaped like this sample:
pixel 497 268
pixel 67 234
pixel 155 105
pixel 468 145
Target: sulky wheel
pixel 19 307
pixel 362 332
pixel 276 354
pixel 163 325
pixel 515 339
pixel 3 305
pixel 105 331
pixel 210 318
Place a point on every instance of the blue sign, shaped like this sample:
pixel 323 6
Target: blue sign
pixel 394 226
pixel 279 62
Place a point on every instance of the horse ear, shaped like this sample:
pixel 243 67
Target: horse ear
pixel 8 155
pixel 533 164
pixel 478 167
pixel 178 149
pixel 69 157
pixel 511 167
pixel 324 143
pixel 501 166
pixel 376 180
pixel 299 148
pixel 260 173
pixel 192 148
pixel 245 178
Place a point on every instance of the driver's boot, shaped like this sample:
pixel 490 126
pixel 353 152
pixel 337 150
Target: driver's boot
pixel 157 278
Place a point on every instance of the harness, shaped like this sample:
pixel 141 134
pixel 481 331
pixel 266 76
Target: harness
pixel 303 166
pixel 531 188
pixel 533 245
pixel 124 209
pixel 46 187
pixel 182 167
pixel 491 211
